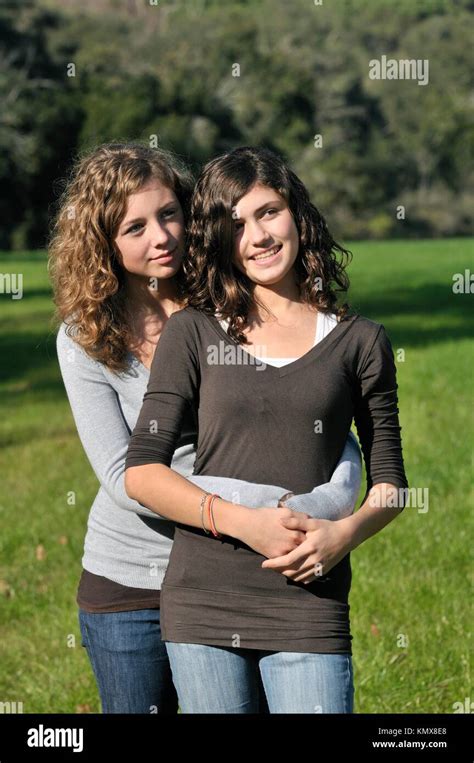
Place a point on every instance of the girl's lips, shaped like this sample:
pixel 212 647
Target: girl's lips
pixel 163 258
pixel 267 260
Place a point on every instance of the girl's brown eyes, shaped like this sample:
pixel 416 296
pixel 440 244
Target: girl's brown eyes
pixel 239 226
pixel 137 225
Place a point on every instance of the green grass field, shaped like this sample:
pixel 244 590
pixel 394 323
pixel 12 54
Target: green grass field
pixel 410 599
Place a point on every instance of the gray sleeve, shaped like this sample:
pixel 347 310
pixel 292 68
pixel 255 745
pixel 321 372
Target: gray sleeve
pixel 102 429
pixel 335 499
pixel 250 494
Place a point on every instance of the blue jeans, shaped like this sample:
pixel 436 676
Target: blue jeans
pixel 129 661
pixel 214 679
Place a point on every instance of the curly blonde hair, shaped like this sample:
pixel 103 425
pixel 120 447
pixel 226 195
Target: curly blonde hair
pixel 88 280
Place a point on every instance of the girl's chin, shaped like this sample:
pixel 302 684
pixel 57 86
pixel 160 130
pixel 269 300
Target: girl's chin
pixel 268 276
pixel 159 270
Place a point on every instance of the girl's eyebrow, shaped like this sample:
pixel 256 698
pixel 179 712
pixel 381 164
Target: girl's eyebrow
pixel 267 204
pixel 131 222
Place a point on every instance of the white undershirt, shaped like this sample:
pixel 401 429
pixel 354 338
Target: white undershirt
pixel 325 324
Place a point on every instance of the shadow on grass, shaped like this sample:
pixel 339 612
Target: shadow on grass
pixel 451 312
pixel 43 293
pixel 12 258
pixel 29 356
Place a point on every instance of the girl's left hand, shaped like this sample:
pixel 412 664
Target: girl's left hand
pixel 327 542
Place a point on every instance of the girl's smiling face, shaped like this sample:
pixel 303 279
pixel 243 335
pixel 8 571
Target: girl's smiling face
pixel 150 238
pixel 266 237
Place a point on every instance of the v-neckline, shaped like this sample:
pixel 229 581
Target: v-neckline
pixel 295 365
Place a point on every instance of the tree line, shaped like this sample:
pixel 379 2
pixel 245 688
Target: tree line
pixel 382 156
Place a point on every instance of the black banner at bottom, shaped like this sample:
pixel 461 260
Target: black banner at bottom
pixel 98 737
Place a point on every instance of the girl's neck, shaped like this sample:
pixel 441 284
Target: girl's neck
pixel 149 308
pixel 156 300
pixel 277 301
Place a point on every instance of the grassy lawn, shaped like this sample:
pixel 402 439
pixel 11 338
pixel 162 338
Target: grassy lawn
pixel 410 593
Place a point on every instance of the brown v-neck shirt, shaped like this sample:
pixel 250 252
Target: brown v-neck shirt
pixel 267 424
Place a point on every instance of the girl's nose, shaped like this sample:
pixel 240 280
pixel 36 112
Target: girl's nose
pixel 257 234
pixel 158 234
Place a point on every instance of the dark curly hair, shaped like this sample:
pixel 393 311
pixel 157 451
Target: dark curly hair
pixel 213 282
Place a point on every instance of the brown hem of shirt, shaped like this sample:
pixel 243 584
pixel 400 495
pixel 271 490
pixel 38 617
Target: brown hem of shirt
pixel 98 595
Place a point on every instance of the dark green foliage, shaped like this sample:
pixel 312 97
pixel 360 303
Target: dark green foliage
pixel 168 70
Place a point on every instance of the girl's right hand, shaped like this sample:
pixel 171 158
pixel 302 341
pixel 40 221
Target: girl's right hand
pixel 264 532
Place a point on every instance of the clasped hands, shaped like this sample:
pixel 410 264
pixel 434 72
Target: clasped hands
pixel 302 548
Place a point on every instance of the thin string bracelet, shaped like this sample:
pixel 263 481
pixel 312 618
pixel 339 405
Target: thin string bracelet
pixel 203 501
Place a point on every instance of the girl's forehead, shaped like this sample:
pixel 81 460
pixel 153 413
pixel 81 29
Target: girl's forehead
pixel 256 196
pixel 149 193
